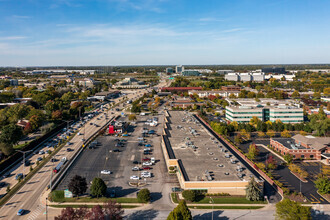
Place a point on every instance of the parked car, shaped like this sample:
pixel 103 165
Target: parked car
pixel 146 159
pixel 41 152
pixel 136 162
pixel 19 175
pixel 39 159
pixel 147 168
pixel 147 164
pixel 176 189
pixel 135 169
pixel 69 149
pixel 105 172
pixel 116 150
pixel 134 178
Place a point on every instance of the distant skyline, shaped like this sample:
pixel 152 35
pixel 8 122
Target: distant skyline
pixel 159 32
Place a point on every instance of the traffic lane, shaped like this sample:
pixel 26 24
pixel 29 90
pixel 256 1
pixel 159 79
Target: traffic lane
pixel 30 191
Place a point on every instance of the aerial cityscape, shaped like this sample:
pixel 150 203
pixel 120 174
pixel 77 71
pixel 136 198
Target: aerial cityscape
pixel 162 109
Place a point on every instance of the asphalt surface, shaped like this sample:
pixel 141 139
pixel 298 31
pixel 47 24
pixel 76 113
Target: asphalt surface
pixel 283 174
pixel 92 161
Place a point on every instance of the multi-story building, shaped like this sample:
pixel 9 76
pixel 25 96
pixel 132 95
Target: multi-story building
pixel 279 70
pixel 231 88
pixel 207 93
pixel 13 82
pixel 223 72
pixel 191 73
pixel 169 70
pixel 265 109
pixel 246 77
pixel 232 77
pixel 179 69
pixel 303 147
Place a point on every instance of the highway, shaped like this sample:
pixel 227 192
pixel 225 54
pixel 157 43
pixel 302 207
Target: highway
pixel 31 196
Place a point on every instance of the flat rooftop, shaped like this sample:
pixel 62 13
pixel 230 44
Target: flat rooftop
pixel 289 143
pixel 267 102
pixel 186 133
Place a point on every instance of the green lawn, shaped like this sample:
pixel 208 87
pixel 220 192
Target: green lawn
pixel 228 200
pixel 174 198
pixel 225 207
pixel 91 206
pixel 58 196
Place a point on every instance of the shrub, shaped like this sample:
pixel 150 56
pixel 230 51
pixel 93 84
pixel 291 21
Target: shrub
pixel 143 195
pixel 189 195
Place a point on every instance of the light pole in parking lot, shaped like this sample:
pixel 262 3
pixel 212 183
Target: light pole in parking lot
pixel 24 152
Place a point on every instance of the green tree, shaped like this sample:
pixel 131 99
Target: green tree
pixel 132 117
pixel 98 187
pixel 144 195
pixel 291 210
pixel 181 212
pixel 253 192
pixel 288 158
pixel 6 149
pixel 295 94
pixel 11 134
pixel 285 134
pixel 189 195
pixel 323 184
pixel 253 152
pixel 78 185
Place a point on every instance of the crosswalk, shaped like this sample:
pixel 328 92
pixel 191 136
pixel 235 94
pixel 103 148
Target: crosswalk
pixel 41 208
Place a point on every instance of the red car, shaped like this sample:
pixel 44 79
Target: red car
pixel 147 168
pixel 146 159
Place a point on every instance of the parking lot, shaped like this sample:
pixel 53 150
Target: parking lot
pixel 283 174
pixel 105 157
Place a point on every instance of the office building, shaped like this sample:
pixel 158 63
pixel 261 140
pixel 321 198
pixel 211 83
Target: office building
pixel 169 70
pixel 191 73
pixel 277 70
pixel 266 110
pixel 223 72
pixel 179 69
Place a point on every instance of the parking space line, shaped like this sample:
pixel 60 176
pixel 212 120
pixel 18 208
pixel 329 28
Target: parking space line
pixel 132 157
pixel 315 198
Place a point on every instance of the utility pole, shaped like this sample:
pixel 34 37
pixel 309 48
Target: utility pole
pixel 24 152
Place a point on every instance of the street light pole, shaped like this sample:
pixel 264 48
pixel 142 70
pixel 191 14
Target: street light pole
pixel 24 152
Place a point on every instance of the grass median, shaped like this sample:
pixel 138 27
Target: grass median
pixel 225 207
pixel 58 196
pixel 201 199
pixel 90 206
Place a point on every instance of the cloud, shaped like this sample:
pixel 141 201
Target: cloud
pixel 12 38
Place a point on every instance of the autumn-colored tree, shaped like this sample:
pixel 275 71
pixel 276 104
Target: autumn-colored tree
pixel 271 163
pixel 96 213
pixel 286 134
pixel 271 133
pixel 27 129
pixel 57 115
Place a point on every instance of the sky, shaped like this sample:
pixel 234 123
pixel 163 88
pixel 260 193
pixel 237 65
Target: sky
pixel 163 32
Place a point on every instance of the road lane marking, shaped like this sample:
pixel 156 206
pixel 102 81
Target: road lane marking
pixel 314 198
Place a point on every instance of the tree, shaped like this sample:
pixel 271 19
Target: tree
pixel 112 210
pixel 78 185
pixel 144 195
pixel 189 195
pixel 27 128
pixel 271 163
pixel 132 117
pixel 181 212
pixel 270 133
pixel 98 187
pixel 295 94
pixel 286 134
pixel 57 115
pixel 253 192
pixel 11 134
pixel 291 210
pixel 238 139
pixel 6 149
pixel 66 214
pixel 253 152
pixel 95 213
pixel 261 134
pixel 288 158
pixel 323 184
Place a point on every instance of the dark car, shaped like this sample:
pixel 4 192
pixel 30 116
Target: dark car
pixel 116 150
pixel 6 175
pixel 176 189
pixel 69 149
pixel 2 184
pixel 27 163
pixel 53 160
pixel 136 162
pixel 113 194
